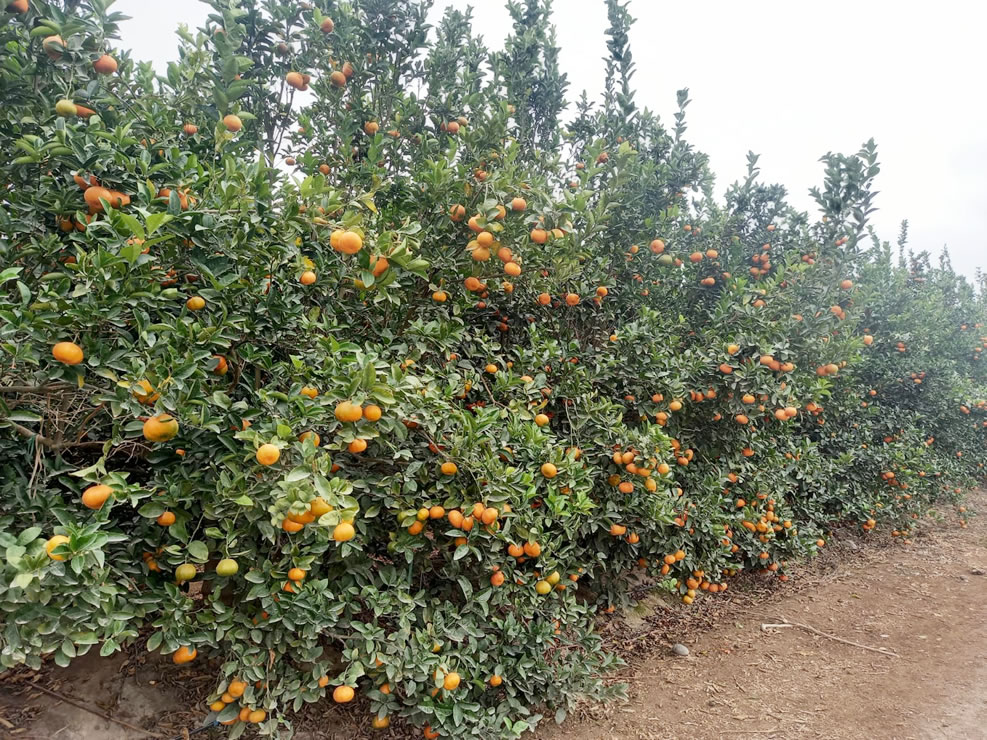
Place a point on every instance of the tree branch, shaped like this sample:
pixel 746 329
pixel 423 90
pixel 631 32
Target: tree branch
pixel 46 442
pixel 38 389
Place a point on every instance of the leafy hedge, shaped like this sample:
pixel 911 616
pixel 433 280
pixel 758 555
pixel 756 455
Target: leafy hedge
pixel 391 377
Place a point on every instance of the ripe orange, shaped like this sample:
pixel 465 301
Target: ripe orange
pixel 518 204
pixel 95 496
pixel 53 46
pixel 549 470
pixel 307 277
pixel 166 519
pixel 105 65
pixel 222 366
pixel 53 542
pixel 183 655
pixel 160 428
pixel 68 353
pixel 195 303
pixel 347 411
pixel 296 80
pixel 357 446
pixel 345 531
pixel 349 242
pixel 451 681
pixel 268 454
pixel 232 123
pixel 343 694
pixel 531 549
pixel 449 468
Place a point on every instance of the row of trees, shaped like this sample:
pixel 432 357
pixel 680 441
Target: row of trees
pixel 332 357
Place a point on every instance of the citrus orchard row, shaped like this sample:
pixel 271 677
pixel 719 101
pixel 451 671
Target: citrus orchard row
pixel 332 359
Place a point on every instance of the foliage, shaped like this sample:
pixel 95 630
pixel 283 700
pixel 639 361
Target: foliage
pixel 624 375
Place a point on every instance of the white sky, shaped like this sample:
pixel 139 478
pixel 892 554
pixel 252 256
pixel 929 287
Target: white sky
pixel 788 80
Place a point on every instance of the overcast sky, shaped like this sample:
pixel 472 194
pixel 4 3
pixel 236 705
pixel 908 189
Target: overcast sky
pixel 788 80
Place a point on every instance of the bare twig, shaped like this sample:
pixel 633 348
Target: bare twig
pixel 45 441
pixel 91 710
pixel 37 389
pixel 85 422
pixel 786 623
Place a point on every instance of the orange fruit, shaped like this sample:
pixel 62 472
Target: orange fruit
pixel 344 532
pixel 451 681
pixel 183 655
pixel 53 542
pixel 166 519
pixel 160 428
pixel 343 694
pixel 549 470
pixel 68 353
pixel 349 242
pixel 531 549
pixel 105 65
pixel 307 277
pixel 232 123
pixel 267 454
pixel 95 496
pixel 347 411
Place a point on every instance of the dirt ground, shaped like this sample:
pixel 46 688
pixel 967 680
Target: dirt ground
pixel 926 603
pixel 923 606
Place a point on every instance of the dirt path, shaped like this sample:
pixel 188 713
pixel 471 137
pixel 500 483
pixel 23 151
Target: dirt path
pixel 926 602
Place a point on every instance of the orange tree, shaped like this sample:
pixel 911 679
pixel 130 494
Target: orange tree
pixel 332 356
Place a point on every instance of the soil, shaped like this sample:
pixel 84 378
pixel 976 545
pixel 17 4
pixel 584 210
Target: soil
pixel 923 606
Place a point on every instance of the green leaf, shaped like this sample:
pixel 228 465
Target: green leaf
pixel 198 551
